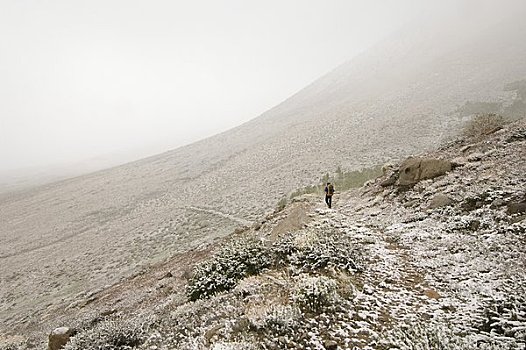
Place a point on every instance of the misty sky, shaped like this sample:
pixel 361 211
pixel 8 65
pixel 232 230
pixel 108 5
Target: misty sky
pixel 85 78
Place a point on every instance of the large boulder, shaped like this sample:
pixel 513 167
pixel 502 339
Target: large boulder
pixel 59 337
pixel 412 170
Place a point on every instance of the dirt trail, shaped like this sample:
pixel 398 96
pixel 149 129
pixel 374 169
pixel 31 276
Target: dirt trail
pixel 241 221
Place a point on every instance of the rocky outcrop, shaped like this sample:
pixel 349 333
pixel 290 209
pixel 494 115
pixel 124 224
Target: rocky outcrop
pixel 59 337
pixel 413 170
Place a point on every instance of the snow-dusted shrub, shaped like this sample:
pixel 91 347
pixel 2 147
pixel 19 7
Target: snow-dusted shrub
pixel 276 319
pixel 433 337
pixel 238 259
pixel 483 124
pixel 11 346
pixel 248 286
pixel 112 334
pixel 507 318
pixel 314 293
pixel 233 346
pixel 311 251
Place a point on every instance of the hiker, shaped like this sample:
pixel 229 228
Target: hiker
pixel 329 191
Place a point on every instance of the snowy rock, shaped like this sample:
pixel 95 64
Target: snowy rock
pixel 412 170
pixel 330 345
pixel 59 337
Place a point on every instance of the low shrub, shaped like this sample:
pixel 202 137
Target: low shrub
pixel 238 259
pixel 432 337
pixel 274 319
pixel 233 346
pixel 310 251
pixel 483 124
pixel 11 346
pixel 313 294
pixel 118 334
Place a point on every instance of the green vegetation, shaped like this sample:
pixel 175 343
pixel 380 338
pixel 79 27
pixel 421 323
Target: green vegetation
pixel 342 180
pixel 513 110
pixel 241 258
pixel 120 333
pixel 315 293
pixel 301 253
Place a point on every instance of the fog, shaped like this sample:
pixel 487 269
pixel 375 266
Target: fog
pixel 122 79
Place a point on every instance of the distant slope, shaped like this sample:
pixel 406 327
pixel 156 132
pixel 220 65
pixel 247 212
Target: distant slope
pixel 399 98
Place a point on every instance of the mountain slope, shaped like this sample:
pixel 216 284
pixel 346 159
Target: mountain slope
pixel 399 98
pixel 390 266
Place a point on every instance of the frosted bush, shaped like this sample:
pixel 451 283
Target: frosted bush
pixel 433 337
pixel 315 293
pixel 276 319
pixel 237 260
pixel 118 334
pixel 483 124
pixel 11 346
pixel 310 251
pixel 248 286
pixel 232 346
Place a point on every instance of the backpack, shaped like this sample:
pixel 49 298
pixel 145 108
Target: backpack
pixel 330 190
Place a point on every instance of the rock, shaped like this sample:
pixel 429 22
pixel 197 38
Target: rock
pixel 108 312
pixel 166 275
pixel 59 337
pixel 474 225
pixel 431 294
pixel 516 207
pixel 440 200
pixel 387 168
pixel 391 180
pixel 475 157
pixel 458 162
pixel 410 203
pixel 517 219
pixel 472 203
pixel 243 324
pixel 209 334
pixel 412 170
pixel 497 203
pixel 330 345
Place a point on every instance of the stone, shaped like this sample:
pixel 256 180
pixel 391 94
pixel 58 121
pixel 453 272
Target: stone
pixel 413 170
pixel 475 157
pixel 517 219
pixel 516 207
pixel 459 162
pixel 59 337
pixel 440 200
pixel 431 294
pixel 472 203
pixel 166 275
pixel 411 203
pixel 241 325
pixel 209 334
pixel 330 345
pixel 390 180
pixel 497 203
pixel 474 225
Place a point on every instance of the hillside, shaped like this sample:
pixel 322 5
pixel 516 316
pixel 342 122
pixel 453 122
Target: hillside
pixel 63 241
pixel 436 263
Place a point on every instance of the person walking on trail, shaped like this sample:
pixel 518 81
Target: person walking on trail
pixel 329 191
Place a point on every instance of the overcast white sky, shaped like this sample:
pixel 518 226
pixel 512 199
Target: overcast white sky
pixel 85 78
